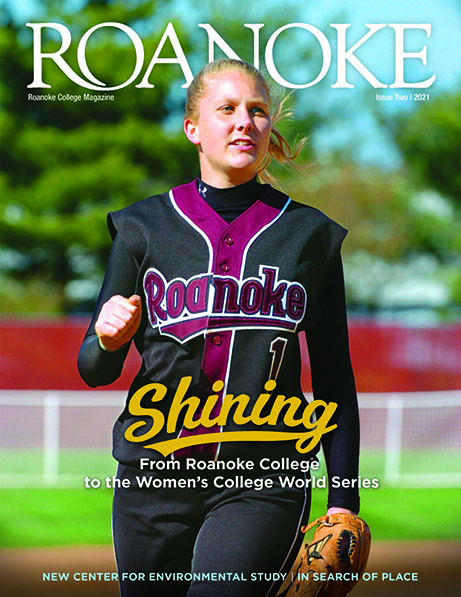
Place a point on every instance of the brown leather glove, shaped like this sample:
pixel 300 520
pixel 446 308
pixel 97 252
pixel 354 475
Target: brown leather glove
pixel 331 564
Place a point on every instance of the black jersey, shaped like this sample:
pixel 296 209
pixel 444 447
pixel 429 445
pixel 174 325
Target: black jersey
pixel 226 301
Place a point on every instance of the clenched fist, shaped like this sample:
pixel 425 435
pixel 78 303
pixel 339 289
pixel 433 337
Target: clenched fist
pixel 118 321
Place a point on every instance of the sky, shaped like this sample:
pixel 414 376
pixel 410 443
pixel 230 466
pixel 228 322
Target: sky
pixel 444 16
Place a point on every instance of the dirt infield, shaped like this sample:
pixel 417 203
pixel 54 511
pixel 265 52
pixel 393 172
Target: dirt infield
pixel 437 565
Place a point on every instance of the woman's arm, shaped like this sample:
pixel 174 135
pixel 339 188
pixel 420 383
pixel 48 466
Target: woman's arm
pixel 115 320
pixel 333 381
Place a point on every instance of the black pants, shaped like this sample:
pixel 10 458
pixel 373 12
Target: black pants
pixel 204 542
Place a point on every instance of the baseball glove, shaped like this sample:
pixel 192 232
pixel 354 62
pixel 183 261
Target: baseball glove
pixel 333 562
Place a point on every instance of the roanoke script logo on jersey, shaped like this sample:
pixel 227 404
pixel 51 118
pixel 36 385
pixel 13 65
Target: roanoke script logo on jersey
pixel 183 308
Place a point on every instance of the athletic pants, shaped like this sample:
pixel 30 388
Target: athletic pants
pixel 204 541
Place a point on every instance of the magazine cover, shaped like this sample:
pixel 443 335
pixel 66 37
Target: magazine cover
pixel 191 195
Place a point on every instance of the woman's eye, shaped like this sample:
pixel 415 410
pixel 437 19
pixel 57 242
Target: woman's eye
pixel 227 108
pixel 258 110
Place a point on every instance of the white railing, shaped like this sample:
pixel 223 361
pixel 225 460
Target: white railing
pixel 393 425
pixel 48 437
pixel 427 414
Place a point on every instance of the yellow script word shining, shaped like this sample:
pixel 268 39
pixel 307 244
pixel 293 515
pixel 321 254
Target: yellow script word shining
pixel 297 412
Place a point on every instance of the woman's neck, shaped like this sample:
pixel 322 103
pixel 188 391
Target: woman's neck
pixel 231 202
pixel 223 181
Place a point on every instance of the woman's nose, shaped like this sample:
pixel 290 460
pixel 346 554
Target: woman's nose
pixel 244 121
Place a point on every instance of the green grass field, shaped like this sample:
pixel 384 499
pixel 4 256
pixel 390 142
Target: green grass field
pixel 54 517
pixel 71 515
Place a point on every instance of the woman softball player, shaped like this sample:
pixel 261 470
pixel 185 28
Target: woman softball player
pixel 219 282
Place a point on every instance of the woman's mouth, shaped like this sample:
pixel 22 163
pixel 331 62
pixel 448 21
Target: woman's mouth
pixel 243 143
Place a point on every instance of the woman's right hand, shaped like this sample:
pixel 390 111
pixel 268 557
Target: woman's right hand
pixel 118 321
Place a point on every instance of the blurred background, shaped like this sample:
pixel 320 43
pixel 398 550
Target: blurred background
pixel 389 171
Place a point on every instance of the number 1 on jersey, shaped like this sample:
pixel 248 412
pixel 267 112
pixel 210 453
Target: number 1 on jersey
pixel 277 349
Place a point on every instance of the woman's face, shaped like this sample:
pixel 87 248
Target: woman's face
pixel 232 129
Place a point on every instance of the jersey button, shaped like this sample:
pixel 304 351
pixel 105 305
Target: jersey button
pixel 225 267
pixel 229 240
pixel 217 340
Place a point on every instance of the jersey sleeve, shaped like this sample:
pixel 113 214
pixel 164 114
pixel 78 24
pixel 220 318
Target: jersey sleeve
pixel 333 381
pixel 96 366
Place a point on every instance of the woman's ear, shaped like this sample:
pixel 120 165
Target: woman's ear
pixel 192 131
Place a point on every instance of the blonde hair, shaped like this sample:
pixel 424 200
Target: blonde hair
pixel 279 148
